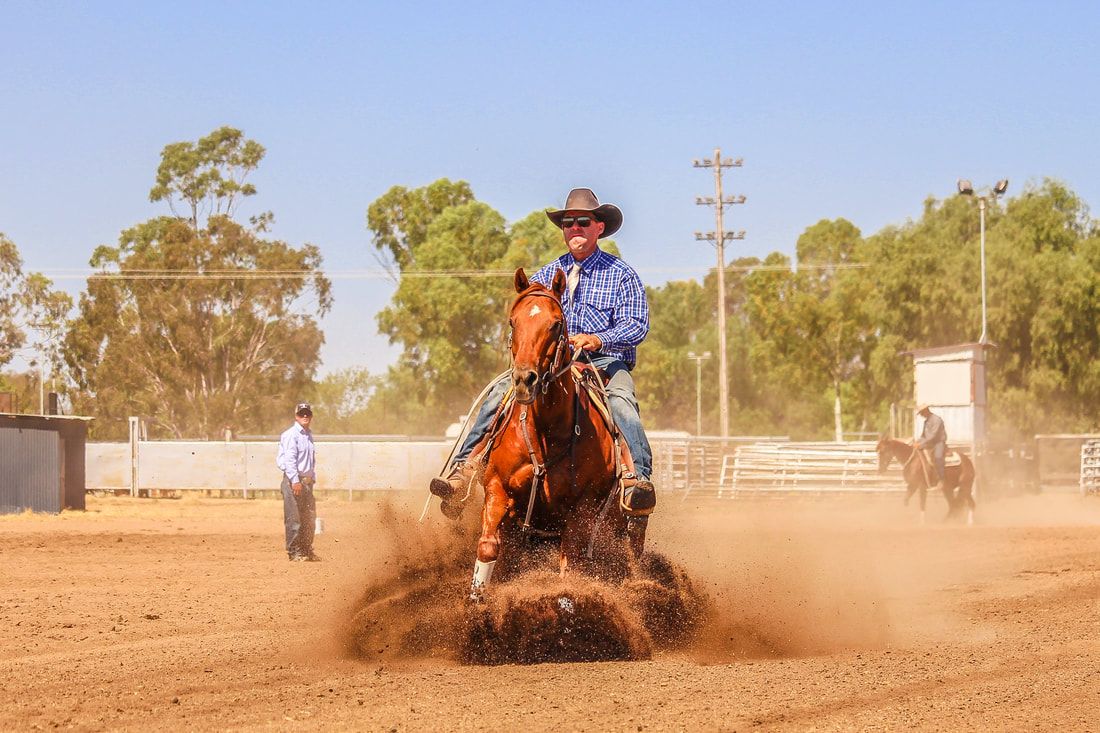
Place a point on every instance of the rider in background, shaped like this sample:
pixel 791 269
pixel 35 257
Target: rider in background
pixel 934 439
pixel 607 316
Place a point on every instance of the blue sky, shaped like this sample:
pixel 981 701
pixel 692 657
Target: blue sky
pixel 855 110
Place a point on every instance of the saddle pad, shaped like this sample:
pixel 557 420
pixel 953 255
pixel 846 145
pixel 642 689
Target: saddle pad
pixel 951 458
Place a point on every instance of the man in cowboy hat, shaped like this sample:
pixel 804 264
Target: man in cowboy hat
pixel 607 316
pixel 933 439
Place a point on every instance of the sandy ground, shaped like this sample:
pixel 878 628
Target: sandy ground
pixel 828 615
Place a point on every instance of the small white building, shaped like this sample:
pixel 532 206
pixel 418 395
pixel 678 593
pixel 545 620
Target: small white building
pixel 951 380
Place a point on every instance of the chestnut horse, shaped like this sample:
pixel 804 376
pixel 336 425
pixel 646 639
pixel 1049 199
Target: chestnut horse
pixel 551 465
pixel 958 480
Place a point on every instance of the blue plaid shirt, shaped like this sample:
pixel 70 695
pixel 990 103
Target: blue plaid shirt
pixel 609 303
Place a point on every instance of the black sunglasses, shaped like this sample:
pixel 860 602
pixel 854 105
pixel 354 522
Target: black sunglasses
pixel 581 221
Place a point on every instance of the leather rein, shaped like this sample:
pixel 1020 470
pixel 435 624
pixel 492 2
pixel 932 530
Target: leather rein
pixel 561 346
pixel 542 385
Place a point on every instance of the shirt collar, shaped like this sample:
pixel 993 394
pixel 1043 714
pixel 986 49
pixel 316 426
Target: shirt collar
pixel 590 262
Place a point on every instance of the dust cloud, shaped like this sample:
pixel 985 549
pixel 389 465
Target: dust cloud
pixel 721 581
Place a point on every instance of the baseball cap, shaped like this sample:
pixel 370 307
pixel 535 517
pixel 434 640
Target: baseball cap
pixel 303 408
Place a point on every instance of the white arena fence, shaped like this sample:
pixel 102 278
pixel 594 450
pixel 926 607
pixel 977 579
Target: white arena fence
pixel 1090 467
pixel 807 468
pixel 697 467
pixel 246 466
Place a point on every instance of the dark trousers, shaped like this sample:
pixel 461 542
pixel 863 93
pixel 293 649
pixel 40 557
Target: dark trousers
pixel 299 513
pixel 939 458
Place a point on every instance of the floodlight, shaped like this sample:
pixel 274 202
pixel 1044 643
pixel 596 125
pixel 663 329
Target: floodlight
pixel 1000 187
pixel 965 187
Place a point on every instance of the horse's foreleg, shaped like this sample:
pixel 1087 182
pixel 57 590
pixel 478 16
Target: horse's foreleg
pixel 488 546
pixel 923 501
pixel 909 491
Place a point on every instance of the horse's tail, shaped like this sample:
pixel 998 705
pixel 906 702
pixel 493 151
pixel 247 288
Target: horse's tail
pixel 967 474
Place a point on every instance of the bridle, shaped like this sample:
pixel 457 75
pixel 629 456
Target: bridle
pixel 561 347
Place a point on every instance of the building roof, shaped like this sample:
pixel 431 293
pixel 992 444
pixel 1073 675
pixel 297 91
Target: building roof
pixel 20 417
pixel 934 350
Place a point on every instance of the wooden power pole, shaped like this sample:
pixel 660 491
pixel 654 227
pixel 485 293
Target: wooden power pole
pixel 719 237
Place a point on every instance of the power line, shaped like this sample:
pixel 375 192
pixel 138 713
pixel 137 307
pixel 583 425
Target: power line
pixel 380 274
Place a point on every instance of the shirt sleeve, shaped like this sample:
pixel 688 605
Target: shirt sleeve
pixel 933 432
pixel 631 321
pixel 288 451
pixel 545 274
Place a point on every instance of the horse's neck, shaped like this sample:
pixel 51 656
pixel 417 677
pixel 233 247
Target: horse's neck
pixel 552 412
pixel 902 450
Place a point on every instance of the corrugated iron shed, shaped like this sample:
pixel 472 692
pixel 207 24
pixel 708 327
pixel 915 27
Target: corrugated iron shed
pixel 42 462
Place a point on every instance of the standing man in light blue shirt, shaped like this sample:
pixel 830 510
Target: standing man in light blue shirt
pixel 297 460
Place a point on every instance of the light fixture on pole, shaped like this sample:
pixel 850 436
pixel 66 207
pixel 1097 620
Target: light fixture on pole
pixel 698 359
pixel 967 189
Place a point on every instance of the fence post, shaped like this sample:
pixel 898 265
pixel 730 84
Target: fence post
pixel 135 435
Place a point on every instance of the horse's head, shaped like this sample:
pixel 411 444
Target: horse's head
pixel 539 342
pixel 885 455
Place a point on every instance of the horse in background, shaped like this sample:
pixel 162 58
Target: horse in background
pixel 958 479
pixel 552 464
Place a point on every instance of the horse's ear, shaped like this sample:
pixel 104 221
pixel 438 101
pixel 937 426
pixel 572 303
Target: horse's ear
pixel 522 283
pixel 558 284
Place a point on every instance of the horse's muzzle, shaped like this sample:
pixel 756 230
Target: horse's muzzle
pixel 525 383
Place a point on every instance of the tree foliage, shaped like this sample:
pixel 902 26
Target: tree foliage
pixel 29 308
pixel 185 323
pixel 815 342
pixel 825 340
pixel 208 175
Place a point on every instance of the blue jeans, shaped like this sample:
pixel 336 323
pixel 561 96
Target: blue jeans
pixel 621 400
pixel 298 518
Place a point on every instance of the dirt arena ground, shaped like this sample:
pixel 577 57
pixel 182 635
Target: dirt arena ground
pixel 828 615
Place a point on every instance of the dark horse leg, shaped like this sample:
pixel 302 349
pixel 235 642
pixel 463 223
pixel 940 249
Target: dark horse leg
pixel 964 496
pixel 596 544
pixel 910 489
pixel 950 483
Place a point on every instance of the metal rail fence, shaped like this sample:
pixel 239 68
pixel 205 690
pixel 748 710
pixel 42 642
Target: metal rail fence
pixel 700 467
pixel 1090 467
pixel 806 468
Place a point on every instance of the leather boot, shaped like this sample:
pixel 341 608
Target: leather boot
pixel 639 496
pixel 457 481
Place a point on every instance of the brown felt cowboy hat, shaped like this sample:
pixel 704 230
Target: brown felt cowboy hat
pixel 582 199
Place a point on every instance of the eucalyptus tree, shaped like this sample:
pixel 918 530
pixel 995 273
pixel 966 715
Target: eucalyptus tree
pixel 198 322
